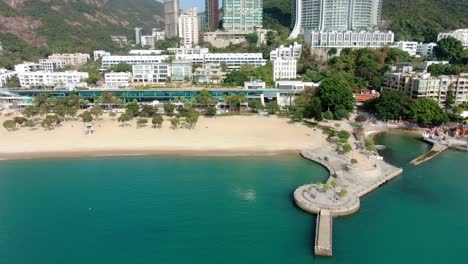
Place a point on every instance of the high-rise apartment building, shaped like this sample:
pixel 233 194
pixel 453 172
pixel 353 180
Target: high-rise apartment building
pixel 171 17
pixel 334 15
pixel 138 32
pixel 188 27
pixel 212 14
pixel 242 15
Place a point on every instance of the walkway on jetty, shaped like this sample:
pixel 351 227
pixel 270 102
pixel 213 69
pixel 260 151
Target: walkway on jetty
pixel 324 234
pixel 435 150
pixel 349 182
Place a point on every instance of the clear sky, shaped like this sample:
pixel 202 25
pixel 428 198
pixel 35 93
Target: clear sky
pixel 184 4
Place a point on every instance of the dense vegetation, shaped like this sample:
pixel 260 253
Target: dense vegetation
pixel 75 26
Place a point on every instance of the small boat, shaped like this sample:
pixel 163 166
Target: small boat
pixel 380 147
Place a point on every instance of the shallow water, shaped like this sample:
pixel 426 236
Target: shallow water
pixel 225 210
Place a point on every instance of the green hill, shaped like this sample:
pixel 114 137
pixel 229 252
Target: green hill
pixel 71 25
pixel 410 19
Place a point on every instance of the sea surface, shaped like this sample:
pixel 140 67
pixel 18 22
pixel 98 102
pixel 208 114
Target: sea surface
pixel 225 210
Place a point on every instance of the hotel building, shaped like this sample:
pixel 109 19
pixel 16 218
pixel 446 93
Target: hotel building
pixel 68 79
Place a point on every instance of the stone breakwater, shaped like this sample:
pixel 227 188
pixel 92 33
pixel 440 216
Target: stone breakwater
pixel 347 182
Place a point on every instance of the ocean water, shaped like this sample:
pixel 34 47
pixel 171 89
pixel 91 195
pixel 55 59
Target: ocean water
pixel 225 210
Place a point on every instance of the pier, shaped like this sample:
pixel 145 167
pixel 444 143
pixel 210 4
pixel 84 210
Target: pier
pixel 435 150
pixel 324 234
pixel 341 194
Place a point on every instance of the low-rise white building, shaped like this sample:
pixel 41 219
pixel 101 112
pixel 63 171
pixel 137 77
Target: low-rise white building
pixel 151 73
pixel 284 69
pixel 67 79
pixel 145 52
pixel 5 75
pixel 49 65
pixel 460 34
pixel 27 67
pixel 73 59
pixel 97 54
pixel 289 52
pixel 235 60
pixel 150 40
pixel 117 79
pixel 254 85
pixel 417 48
pixel 295 85
pixel 188 51
pixel 348 39
pixel 108 61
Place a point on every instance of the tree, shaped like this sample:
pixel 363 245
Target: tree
pixel 341 113
pixel 347 148
pixel 169 109
pixel 175 122
pixel 449 98
pixel 87 117
pixel 390 105
pixel 427 111
pixel 333 184
pixel 30 111
pixel 13 82
pixel 132 108
pixel 298 115
pixel 124 118
pixel 157 121
pixel 29 123
pixel 72 111
pixel 20 120
pixel 9 125
pixel 236 78
pixel 449 49
pixel 255 104
pixel 96 111
pixel 252 38
pixel 141 122
pixel 192 118
pixel 121 67
pixel 147 111
pixel 205 98
pixel 332 52
pixel 272 107
pixel 344 136
pixel 343 193
pixel 48 122
pixel 210 111
pixel 328 115
pixel 369 145
pixel 336 93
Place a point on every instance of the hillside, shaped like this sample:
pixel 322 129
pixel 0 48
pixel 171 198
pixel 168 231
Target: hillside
pixel 72 25
pixel 409 19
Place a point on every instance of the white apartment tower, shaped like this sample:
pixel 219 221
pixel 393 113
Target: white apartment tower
pixel 171 15
pixel 188 27
pixel 334 15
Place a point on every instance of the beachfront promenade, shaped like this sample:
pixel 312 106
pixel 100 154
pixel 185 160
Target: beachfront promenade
pixel 346 185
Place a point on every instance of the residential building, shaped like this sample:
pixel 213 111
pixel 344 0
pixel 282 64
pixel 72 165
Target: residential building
pixel 222 39
pixel 27 67
pixel 49 65
pixel 67 79
pixel 209 73
pixel 212 14
pixel 255 85
pixel 334 15
pixel 235 60
pixel 73 59
pixel 117 79
pixel 108 61
pixel 416 48
pixel 151 73
pixel 5 75
pixel 193 58
pixel 171 17
pixel 290 52
pixel 181 71
pixel 137 35
pixel 460 34
pixel 150 40
pixel 284 69
pixel 188 27
pixel 295 85
pixel 423 85
pixel 97 54
pixel 348 39
pixel 202 21
pixel 242 15
pixel 120 40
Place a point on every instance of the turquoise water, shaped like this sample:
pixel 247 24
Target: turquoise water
pixel 224 210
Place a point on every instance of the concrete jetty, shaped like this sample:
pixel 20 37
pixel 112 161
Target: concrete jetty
pixel 435 150
pixel 324 234
pixel 341 194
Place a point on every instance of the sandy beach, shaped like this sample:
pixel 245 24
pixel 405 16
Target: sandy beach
pixel 233 135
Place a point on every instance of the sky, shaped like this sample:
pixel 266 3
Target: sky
pixel 185 4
